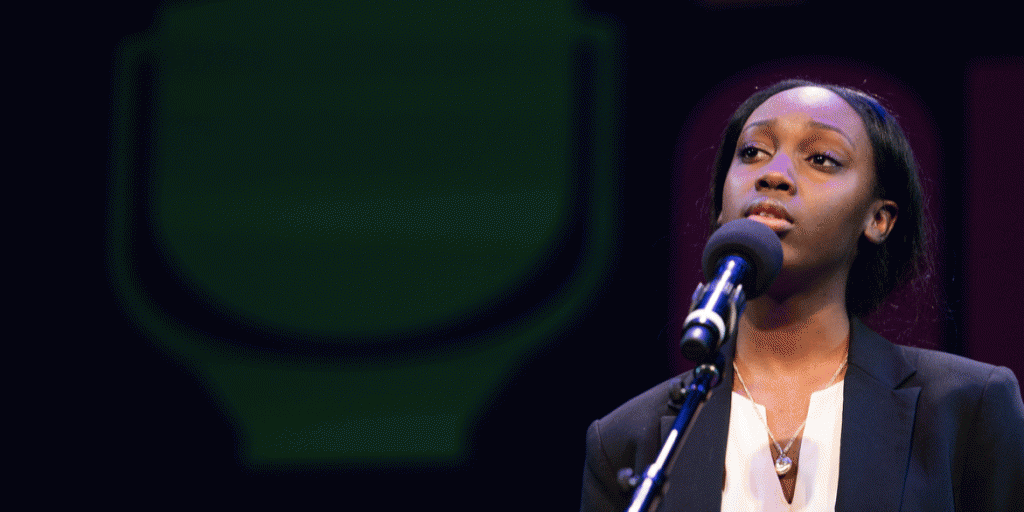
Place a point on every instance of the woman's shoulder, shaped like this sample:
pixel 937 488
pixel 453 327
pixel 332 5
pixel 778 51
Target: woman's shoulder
pixel 644 409
pixel 950 370
pixel 965 387
pixel 932 370
pixel 635 428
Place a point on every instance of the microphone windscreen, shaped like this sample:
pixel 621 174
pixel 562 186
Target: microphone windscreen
pixel 752 241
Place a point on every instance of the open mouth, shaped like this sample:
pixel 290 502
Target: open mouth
pixel 771 213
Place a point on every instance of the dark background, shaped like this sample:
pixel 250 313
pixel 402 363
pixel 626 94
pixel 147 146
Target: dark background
pixel 135 427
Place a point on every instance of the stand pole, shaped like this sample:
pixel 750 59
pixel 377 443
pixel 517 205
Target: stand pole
pixel 706 377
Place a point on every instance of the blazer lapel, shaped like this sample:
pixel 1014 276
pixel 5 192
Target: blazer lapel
pixel 695 481
pixel 878 419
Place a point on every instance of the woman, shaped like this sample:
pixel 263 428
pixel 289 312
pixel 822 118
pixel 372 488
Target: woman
pixel 823 413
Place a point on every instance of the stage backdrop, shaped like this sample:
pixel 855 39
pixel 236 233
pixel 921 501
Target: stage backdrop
pixel 408 251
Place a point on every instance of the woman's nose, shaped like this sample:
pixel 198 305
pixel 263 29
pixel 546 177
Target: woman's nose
pixel 777 175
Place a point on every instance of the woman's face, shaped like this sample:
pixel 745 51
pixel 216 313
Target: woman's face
pixel 804 167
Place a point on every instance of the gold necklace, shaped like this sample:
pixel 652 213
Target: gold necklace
pixel 783 463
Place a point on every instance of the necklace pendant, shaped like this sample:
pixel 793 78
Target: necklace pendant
pixel 783 464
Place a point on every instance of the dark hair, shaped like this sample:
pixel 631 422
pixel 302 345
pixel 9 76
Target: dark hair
pixel 878 268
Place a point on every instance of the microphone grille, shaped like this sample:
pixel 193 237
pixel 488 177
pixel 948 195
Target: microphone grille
pixel 752 241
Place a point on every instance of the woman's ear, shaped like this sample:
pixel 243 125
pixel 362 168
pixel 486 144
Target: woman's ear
pixel 880 221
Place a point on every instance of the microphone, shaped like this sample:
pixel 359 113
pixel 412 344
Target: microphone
pixel 741 259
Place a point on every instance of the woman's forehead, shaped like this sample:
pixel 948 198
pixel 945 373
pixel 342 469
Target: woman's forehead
pixel 810 104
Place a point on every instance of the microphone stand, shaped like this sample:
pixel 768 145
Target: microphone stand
pixel 706 376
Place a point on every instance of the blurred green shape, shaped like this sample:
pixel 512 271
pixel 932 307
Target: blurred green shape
pixel 346 172
pixel 351 170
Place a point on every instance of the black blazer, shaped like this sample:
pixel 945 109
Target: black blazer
pixel 922 431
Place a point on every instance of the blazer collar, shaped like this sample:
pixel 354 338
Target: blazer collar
pixel 877 357
pixel 878 417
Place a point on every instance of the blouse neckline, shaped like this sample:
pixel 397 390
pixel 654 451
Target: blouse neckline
pixel 750 479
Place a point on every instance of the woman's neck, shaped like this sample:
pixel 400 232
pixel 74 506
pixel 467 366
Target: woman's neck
pixel 793 335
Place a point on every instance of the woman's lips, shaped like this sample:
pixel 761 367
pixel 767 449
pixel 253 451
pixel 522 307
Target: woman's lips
pixel 778 225
pixel 770 212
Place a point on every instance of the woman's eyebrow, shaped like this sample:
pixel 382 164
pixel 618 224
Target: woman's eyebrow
pixel 767 123
pixel 826 126
pixel 770 123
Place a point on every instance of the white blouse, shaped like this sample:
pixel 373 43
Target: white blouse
pixel 751 483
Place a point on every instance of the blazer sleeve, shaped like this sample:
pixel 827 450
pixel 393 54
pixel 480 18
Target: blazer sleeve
pixel 601 491
pixel 993 478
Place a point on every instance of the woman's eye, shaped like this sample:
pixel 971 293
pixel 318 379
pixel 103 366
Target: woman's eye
pixel 823 160
pixel 750 152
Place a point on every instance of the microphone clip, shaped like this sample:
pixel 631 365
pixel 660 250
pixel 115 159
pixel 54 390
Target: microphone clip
pixel 705 330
